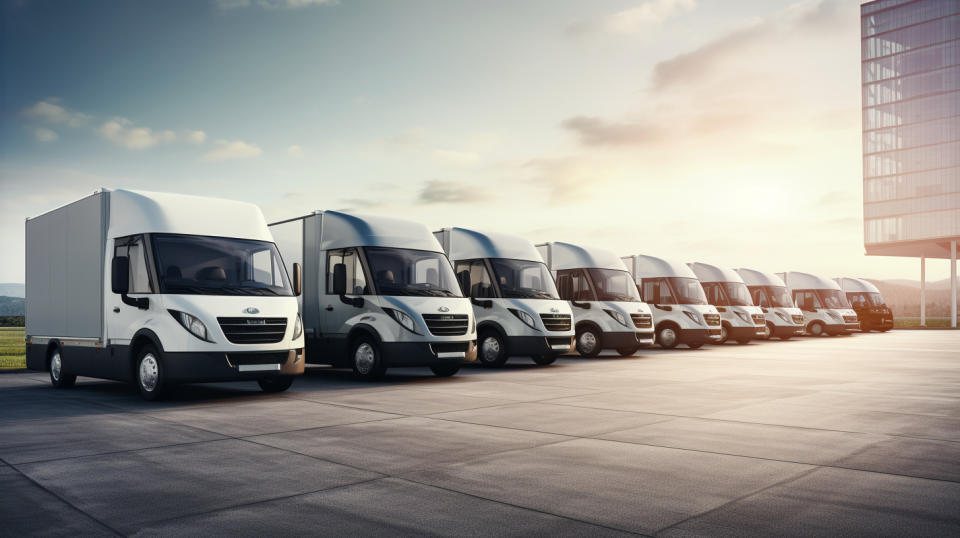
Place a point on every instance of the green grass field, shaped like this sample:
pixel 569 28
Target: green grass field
pixel 914 323
pixel 12 350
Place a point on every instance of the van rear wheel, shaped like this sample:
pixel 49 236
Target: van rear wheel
pixel 58 377
pixel 149 374
pixel 275 384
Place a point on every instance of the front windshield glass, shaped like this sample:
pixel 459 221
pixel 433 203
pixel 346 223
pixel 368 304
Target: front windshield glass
pixel 201 265
pixel 614 285
pixel 522 279
pixel 688 290
pixel 833 299
pixel 780 296
pixel 402 271
pixel 738 293
pixel 875 299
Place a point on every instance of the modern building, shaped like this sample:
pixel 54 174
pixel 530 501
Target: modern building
pixel 910 63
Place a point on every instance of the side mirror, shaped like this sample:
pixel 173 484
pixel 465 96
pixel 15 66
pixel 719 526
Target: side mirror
pixel 297 279
pixel 340 279
pixel 120 275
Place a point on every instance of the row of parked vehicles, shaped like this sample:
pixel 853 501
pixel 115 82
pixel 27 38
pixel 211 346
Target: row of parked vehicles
pixel 161 289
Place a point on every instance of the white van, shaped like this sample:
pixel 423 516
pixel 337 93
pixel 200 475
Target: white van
pixel 607 310
pixel 378 293
pixel 740 319
pixel 826 309
pixel 681 313
pixel 783 319
pixel 872 311
pixel 159 289
pixel 515 301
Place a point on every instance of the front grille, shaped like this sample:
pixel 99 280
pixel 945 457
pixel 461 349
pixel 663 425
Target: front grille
pixel 759 320
pixel 272 357
pixel 850 319
pixel 450 347
pixel 642 321
pixel 712 319
pixel 253 330
pixel 797 319
pixel 556 322
pixel 447 324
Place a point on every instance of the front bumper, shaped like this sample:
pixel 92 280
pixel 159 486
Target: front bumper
pixel 414 354
pixel 788 330
pixel 529 346
pixel 209 366
pixel 627 339
pixel 744 333
pixel 699 336
pixel 877 322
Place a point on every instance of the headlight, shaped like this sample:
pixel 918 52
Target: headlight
pixel 524 317
pixel 693 317
pixel 743 316
pixel 403 319
pixel 297 328
pixel 192 324
pixel 784 317
pixel 617 316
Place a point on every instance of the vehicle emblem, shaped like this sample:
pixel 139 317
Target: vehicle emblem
pixel 443 309
pixel 251 310
pixel 555 310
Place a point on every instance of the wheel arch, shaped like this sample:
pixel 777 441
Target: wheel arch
pixel 587 324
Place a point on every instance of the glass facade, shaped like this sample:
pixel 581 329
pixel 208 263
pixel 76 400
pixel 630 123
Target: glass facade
pixel 910 51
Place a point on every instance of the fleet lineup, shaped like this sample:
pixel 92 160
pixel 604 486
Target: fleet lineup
pixel 159 289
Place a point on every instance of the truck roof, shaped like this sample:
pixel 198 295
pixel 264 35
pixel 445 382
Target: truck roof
pixel 806 281
pixel 136 212
pixel 753 277
pixel 467 244
pixel 568 256
pixel 644 266
pixel 856 284
pixel 342 230
pixel 714 273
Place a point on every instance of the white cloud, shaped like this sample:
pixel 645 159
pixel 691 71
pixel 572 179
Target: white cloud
pixel 636 19
pixel 42 134
pixel 195 137
pixel 121 132
pixel 272 4
pixel 232 149
pixel 51 111
pixel 295 151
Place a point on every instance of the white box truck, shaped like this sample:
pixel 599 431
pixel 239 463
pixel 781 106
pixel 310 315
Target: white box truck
pixel 872 311
pixel 378 293
pixel 740 320
pixel 783 319
pixel 515 300
pixel 607 310
pixel 825 307
pixel 158 289
pixel 681 314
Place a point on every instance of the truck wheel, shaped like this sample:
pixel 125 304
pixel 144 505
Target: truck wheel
pixel 667 337
pixel 544 360
pixel 444 370
pixel 785 337
pixel 724 334
pixel 767 332
pixel 743 341
pixel 588 343
pixel 492 350
pixel 815 329
pixel 149 374
pixel 367 363
pixel 275 384
pixel 58 377
pixel 627 351
pixel 694 345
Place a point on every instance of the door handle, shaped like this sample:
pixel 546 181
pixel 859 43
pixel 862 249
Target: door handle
pixel 116 310
pixel 329 308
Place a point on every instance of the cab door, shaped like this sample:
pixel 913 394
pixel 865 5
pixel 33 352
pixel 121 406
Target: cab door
pixel 124 319
pixel 335 315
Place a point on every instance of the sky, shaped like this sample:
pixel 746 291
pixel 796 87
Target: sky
pixel 719 131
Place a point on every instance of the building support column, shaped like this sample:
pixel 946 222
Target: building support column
pixel 923 290
pixel 953 283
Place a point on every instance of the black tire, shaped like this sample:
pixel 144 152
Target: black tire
pixel 724 334
pixel 445 370
pixel 148 374
pixel 491 349
pixel 816 329
pixel 586 337
pixel 366 358
pixel 694 345
pixel 743 341
pixel 545 360
pixel 785 337
pixel 667 343
pixel 59 378
pixel 275 384
pixel 627 351
pixel 769 334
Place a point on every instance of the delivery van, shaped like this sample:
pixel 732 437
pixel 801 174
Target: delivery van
pixel 783 319
pixel 740 320
pixel 866 300
pixel 825 307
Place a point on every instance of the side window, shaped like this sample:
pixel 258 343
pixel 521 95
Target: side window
pixel 578 288
pixel 798 298
pixel 356 279
pixel 806 300
pixel 133 248
pixel 715 294
pixel 657 291
pixel 759 297
pixel 858 300
pixel 474 279
pixel 263 268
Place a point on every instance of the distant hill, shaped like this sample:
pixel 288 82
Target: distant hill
pixel 12 289
pixel 11 306
pixel 934 285
pixel 903 297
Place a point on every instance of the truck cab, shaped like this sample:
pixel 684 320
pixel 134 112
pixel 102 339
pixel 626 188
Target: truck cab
pixel 825 307
pixel 378 293
pixel 681 313
pixel 518 309
pixel 866 300
pixel 783 319
pixel 607 310
pixel 740 319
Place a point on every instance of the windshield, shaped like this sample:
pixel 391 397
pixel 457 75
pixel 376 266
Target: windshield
pixel 614 285
pixel 688 290
pixel 738 294
pixel 521 279
pixel 833 299
pixel 200 265
pixel 401 271
pixel 875 299
pixel 779 296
